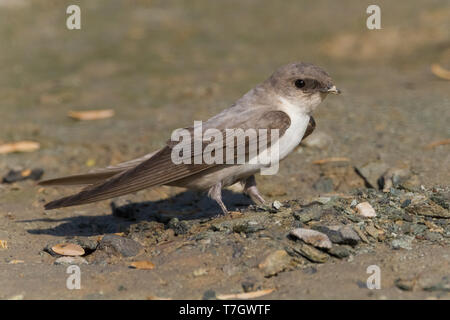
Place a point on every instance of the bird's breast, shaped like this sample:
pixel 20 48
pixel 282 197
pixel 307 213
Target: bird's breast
pixel 294 134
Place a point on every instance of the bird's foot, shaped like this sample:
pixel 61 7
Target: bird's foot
pixel 252 191
pixel 215 193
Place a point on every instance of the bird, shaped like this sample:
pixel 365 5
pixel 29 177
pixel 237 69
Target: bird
pixel 283 103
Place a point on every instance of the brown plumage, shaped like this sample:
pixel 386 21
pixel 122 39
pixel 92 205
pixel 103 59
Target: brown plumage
pixel 268 106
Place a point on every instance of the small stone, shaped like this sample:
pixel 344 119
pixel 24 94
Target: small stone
pixel 406 203
pixel 372 231
pixel 429 209
pixel 349 236
pixel 353 203
pixel 66 261
pixel 311 253
pixel 442 199
pixel 442 285
pixel 405 284
pixel 248 227
pixel 340 251
pixel 275 263
pixel 68 249
pixel 361 234
pixel 87 244
pixel 308 213
pixel 310 270
pixel 179 227
pixel 418 229
pixel 340 234
pixel 277 205
pixel 119 245
pixel 394 177
pixel 313 237
pixel 365 209
pixel 404 242
pixel 20 175
pixel 371 172
pixel 331 231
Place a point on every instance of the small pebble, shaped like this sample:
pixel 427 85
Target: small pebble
pixel 119 245
pixel 274 263
pixel 313 237
pixel 402 243
pixel 366 210
pixel 340 251
pixel 277 205
pixel 311 253
pixel 67 261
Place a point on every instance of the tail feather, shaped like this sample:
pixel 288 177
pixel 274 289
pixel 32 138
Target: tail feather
pixel 80 179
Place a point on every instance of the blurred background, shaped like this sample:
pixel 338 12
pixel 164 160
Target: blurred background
pixel 161 65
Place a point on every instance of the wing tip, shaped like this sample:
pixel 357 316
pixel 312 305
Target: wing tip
pixel 53 205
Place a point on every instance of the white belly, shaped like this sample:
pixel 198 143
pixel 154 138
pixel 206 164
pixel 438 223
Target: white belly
pixel 294 134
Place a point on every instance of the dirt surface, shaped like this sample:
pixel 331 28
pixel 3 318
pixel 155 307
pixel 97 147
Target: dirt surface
pixel 163 64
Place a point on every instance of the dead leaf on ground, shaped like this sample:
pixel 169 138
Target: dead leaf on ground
pixel 437 143
pixel 142 265
pixel 16 261
pixel 440 72
pixel 3 244
pixel 68 249
pixel 332 159
pixel 91 114
pixel 157 298
pixel 21 146
pixel 245 295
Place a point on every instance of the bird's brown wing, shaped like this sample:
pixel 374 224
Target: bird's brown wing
pixel 310 128
pixel 160 169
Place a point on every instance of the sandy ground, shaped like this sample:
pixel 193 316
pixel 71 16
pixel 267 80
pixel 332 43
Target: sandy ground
pixel 163 64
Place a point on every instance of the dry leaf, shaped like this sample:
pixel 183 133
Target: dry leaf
pixel 3 244
pixel 25 173
pixel 437 143
pixel 245 295
pixel 142 265
pixel 332 159
pixel 68 249
pixel 91 114
pixel 21 146
pixel 16 261
pixel 157 298
pixel 440 72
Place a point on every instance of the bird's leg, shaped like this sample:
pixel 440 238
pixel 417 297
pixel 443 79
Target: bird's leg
pixel 215 193
pixel 252 191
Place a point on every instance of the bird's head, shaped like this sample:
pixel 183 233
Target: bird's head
pixel 302 84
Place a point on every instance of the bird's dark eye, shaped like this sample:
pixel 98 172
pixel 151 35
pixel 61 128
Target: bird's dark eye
pixel 299 83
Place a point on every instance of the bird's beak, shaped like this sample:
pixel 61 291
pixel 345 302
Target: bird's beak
pixel 334 90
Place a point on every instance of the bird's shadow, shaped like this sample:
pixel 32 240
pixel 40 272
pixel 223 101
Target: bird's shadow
pixel 187 205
